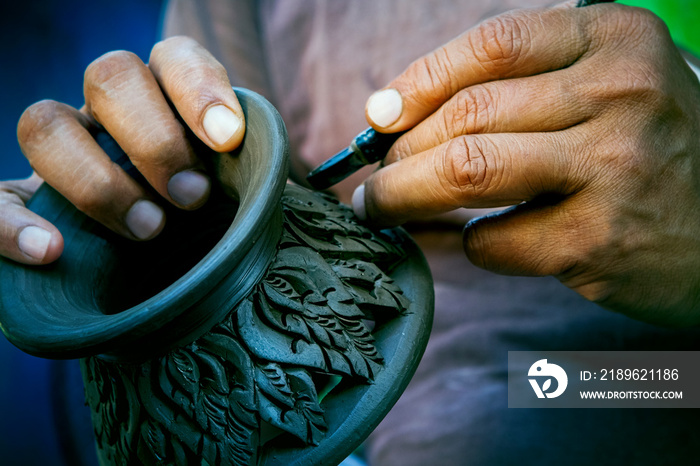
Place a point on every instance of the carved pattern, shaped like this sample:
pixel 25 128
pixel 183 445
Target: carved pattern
pixel 214 401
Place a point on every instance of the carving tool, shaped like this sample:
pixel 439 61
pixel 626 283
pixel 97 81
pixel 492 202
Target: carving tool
pixel 368 147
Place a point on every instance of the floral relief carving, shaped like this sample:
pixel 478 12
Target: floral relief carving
pixel 258 372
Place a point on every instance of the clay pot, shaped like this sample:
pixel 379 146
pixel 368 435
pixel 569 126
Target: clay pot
pixel 218 340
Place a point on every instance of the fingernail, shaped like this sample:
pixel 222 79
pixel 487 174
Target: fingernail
pixel 358 202
pixel 145 219
pixel 34 242
pixel 384 107
pixel 189 188
pixel 220 124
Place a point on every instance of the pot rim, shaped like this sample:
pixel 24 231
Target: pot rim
pixel 41 327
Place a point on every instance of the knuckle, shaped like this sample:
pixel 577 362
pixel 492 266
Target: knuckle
pixel 436 73
pixel 188 71
pixel 628 28
pixel 634 23
pixel 36 122
pixel 17 191
pixel 163 47
pixel 473 111
pixel 9 197
pixel 642 82
pixel 110 70
pixel 646 85
pixel 161 154
pixel 500 42
pixel 196 85
pixel 649 21
pixel 97 190
pixel 466 171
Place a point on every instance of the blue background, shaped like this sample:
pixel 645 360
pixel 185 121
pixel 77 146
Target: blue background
pixel 45 46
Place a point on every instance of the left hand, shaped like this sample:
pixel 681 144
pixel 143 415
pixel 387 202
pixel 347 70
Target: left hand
pixel 586 119
pixel 155 113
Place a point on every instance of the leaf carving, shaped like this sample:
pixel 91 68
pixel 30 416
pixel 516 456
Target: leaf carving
pixel 287 399
pixel 204 402
pixel 317 325
pixel 322 223
pixel 371 288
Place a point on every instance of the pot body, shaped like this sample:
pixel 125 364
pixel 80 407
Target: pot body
pixel 252 384
pixel 269 327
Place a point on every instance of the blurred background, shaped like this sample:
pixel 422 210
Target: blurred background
pixel 45 46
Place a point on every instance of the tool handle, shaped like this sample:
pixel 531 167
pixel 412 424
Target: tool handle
pixel 582 3
pixel 374 145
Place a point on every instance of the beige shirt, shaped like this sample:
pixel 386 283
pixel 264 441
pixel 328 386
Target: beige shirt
pixel 319 61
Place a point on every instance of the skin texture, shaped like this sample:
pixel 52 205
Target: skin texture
pixel 145 108
pixel 585 119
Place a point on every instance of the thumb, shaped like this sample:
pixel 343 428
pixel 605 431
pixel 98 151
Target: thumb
pixel 198 85
pixel 24 236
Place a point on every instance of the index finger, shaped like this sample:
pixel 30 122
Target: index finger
pixel 483 170
pixel 515 44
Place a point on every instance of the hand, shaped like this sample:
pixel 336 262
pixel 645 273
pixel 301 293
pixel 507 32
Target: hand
pixel 136 104
pixel 588 121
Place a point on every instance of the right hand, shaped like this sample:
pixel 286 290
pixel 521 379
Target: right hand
pixel 136 104
pixel 586 120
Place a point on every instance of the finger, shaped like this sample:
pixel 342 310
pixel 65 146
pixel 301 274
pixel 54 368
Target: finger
pixel 55 139
pixel 124 97
pixel 546 102
pixel 515 44
pixel 24 236
pixel 197 84
pixel 488 170
pixel 531 239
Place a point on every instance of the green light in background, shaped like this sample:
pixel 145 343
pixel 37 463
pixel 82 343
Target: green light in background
pixel 681 16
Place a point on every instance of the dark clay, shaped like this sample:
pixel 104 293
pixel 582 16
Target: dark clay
pixel 213 343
